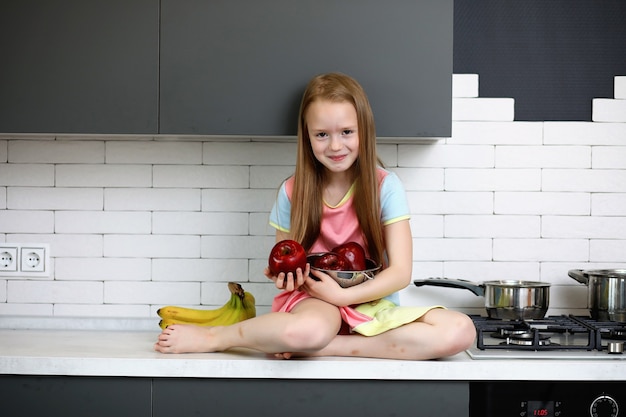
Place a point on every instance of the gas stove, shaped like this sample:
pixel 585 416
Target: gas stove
pixel 553 337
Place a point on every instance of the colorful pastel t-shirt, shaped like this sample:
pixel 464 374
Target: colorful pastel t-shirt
pixel 340 223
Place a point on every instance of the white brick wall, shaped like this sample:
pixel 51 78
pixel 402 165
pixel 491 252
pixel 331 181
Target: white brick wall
pixel 137 222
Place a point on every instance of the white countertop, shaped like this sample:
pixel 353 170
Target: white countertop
pixel 130 354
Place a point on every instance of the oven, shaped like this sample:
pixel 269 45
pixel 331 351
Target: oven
pixel 551 338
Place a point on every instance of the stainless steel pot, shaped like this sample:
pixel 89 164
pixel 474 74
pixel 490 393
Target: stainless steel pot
pixel 505 299
pixel 606 293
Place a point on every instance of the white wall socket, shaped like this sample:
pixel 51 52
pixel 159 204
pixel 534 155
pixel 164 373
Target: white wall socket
pixel 8 258
pixel 28 259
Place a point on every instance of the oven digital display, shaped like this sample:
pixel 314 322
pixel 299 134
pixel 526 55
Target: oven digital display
pixel 540 408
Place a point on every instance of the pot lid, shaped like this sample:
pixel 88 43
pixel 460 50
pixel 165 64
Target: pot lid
pixel 606 273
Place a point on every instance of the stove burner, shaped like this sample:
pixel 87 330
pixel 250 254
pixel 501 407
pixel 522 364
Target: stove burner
pixel 549 333
pixel 504 333
pixel 527 338
pixel 616 334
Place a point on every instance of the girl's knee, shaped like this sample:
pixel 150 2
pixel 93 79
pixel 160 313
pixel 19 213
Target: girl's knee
pixel 308 334
pixel 459 333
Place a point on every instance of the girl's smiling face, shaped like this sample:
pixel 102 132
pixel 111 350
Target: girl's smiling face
pixel 333 130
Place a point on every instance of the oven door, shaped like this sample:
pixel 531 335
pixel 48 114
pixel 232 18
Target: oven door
pixel 547 398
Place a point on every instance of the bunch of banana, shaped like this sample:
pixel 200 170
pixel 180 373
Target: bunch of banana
pixel 240 307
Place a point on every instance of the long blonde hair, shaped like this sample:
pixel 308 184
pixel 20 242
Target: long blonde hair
pixel 306 210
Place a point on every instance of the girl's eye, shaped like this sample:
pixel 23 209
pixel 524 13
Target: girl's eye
pixel 321 135
pixel 348 132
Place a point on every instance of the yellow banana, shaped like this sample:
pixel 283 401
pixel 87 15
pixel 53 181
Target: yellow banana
pixel 241 306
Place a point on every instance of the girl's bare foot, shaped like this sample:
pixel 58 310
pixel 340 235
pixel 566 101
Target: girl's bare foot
pixel 183 338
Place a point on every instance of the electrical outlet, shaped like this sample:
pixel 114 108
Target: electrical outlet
pixel 34 258
pixel 8 258
pixel 27 260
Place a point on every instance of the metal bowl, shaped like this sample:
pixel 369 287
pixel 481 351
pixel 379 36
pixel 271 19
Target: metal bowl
pixel 348 278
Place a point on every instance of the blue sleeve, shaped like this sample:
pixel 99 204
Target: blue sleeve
pixel 393 201
pixel 280 216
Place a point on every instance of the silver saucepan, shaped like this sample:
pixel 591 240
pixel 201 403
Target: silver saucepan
pixel 504 299
pixel 606 293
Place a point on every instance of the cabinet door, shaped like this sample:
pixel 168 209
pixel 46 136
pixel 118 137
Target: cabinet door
pixel 239 67
pixel 79 66
pixel 61 396
pixel 308 398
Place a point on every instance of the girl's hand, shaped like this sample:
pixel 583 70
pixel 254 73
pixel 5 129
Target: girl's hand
pixel 324 287
pixel 289 282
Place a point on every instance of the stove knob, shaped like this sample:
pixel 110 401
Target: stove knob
pixel 604 406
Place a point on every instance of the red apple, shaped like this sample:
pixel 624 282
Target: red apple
pixel 287 256
pixel 354 253
pixel 332 261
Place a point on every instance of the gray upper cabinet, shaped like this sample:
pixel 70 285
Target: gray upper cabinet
pixel 213 67
pixel 79 66
pixel 238 67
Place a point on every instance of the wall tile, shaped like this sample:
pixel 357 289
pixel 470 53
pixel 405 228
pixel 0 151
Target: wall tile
pixel 152 199
pixel 496 226
pixel 164 293
pixel 27 175
pixel 56 151
pixel 388 154
pixel 427 225
pixel 483 109
pixel 201 270
pixel 611 157
pixel 611 250
pixel 103 175
pixel 26 221
pixel 104 222
pixel 153 152
pixel 450 202
pixel 198 176
pixel 465 85
pixel 543 156
pixel 584 133
pixel 21 309
pixel 102 269
pixel 608 204
pixel 3 290
pixel 451 156
pixel 493 271
pixel 151 246
pixel 238 200
pixel 259 225
pixel 620 87
pixel 103 310
pixel 581 227
pixel 269 176
pixel 598 180
pixel 541 250
pixel 608 110
pixel 492 179
pixel 236 247
pixel 542 203
pixel 452 249
pixel 421 179
pixel 73 292
pixel 205 223
pixel 4 145
pixel 3 198
pixel 41 198
pixel 259 153
pixel 496 133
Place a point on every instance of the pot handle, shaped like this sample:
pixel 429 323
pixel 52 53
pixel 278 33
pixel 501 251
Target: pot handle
pixel 477 289
pixel 579 276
